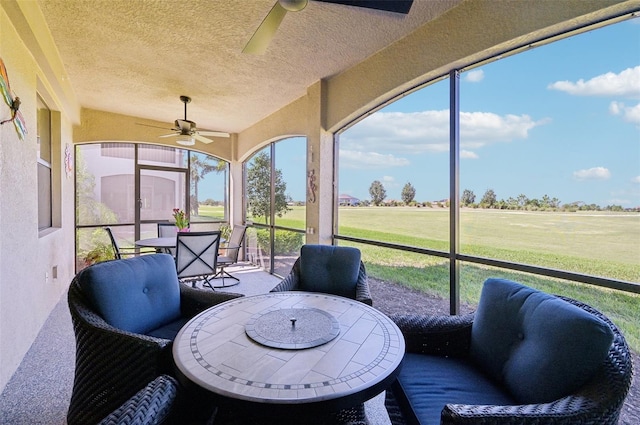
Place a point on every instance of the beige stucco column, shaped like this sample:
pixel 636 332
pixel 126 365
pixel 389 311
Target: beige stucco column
pixel 236 215
pixel 319 169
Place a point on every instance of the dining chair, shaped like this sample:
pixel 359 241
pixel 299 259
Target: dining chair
pixel 336 270
pixel 119 252
pixel 168 230
pixel 230 253
pixel 197 256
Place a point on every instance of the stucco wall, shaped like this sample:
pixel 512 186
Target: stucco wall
pixel 26 255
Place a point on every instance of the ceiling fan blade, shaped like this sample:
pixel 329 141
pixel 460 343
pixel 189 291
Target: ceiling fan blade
pixel 397 6
pixel 201 138
pixel 213 133
pixel 170 135
pixel 260 40
pixel 153 126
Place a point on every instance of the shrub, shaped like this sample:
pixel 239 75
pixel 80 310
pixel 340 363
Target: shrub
pixel 225 231
pixel 286 242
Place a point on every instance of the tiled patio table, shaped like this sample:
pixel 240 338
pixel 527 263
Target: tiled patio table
pixel 291 352
pixel 157 243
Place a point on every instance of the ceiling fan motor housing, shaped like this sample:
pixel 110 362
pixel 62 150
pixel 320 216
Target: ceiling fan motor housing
pixel 185 126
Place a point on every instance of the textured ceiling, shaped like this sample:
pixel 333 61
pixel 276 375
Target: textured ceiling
pixel 137 57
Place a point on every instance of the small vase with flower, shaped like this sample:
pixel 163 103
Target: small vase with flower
pixel 182 222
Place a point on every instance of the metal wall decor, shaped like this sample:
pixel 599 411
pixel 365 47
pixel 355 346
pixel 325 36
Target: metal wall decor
pixel 13 102
pixel 311 186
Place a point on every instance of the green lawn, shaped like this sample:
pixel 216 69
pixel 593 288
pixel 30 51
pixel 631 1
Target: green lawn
pixel 207 212
pixel 594 243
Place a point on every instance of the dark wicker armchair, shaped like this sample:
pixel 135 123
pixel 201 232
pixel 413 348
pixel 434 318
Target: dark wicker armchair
pixel 598 402
pixel 113 364
pixel 152 405
pixel 329 279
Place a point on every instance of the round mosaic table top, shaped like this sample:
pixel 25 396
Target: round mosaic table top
pixel 293 328
pixel 214 350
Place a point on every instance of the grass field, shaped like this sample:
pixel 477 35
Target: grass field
pixel 600 244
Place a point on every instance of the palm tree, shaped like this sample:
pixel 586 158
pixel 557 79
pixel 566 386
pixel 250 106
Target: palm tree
pixel 200 166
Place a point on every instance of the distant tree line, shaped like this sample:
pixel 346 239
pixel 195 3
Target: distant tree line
pixel 489 200
pixel 522 202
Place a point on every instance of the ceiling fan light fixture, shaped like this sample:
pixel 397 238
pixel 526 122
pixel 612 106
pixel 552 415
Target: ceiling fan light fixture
pixel 186 140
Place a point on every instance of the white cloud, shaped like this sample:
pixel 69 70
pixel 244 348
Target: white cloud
pixel 468 154
pixel 615 108
pixel 428 131
pixel 629 113
pixel 636 179
pixel 362 160
pixel 595 173
pixel 388 179
pixel 474 76
pixel 626 84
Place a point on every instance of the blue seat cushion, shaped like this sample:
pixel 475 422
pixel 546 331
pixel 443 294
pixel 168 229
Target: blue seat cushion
pixel 329 269
pixel 430 382
pixel 136 294
pixel 170 330
pixel 539 346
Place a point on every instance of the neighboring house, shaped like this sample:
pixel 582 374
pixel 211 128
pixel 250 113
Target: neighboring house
pixel 348 200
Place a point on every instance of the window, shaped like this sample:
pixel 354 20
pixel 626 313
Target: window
pixel 209 191
pixel 275 193
pixel 551 160
pixel 548 177
pixel 45 208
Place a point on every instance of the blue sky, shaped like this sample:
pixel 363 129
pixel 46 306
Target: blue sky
pixel 561 120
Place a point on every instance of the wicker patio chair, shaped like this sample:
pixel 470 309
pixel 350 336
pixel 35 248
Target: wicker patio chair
pixel 597 402
pixel 111 363
pixel 346 276
pixel 152 405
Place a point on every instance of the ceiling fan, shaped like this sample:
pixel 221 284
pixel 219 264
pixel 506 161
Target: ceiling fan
pixel 266 31
pixel 186 131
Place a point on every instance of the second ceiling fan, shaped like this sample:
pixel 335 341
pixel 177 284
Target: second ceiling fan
pixel 266 31
pixel 187 133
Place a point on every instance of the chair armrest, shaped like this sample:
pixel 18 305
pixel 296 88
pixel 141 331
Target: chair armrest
pixel 194 300
pixel 583 407
pixel 292 281
pixel 149 406
pixel 436 335
pixel 362 287
pixel 227 247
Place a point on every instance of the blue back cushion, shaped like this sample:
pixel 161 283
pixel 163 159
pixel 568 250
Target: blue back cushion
pixel 329 269
pixel 539 346
pixel 136 294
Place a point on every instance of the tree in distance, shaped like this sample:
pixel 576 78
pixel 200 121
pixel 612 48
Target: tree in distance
pixel 468 198
pixel 488 199
pixel 259 188
pixel 377 192
pixel 408 193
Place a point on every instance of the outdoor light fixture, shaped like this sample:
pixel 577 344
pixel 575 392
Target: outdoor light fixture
pixel 186 140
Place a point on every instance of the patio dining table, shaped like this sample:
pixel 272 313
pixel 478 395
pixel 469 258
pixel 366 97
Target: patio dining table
pixel 157 243
pixel 290 353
